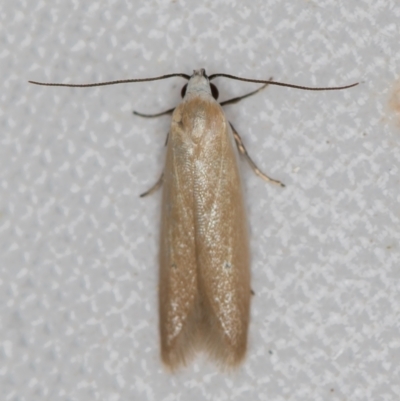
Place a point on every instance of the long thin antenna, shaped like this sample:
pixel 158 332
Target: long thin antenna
pixel 259 81
pixel 122 81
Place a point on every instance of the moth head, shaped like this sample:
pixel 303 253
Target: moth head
pixel 199 82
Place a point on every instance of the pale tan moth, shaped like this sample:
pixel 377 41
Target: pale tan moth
pixel 204 287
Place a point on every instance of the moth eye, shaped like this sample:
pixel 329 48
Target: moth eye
pixel 214 91
pixel 183 91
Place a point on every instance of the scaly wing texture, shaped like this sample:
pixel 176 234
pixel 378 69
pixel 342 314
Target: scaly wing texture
pixel 178 278
pixel 204 277
pixel 222 246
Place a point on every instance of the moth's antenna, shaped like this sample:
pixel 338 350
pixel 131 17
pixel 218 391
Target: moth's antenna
pixel 122 81
pixel 260 81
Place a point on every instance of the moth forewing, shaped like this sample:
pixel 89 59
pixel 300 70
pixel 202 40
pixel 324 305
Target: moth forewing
pixel 178 271
pixel 223 250
pixel 204 254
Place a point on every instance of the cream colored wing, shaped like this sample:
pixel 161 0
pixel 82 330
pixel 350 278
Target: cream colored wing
pixel 222 246
pixel 204 256
pixel 178 277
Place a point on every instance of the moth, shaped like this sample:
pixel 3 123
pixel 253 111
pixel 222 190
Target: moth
pixel 204 259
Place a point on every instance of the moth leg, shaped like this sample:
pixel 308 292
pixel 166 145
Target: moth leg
pixel 154 187
pixel 239 98
pixel 160 180
pixel 254 167
pixel 163 113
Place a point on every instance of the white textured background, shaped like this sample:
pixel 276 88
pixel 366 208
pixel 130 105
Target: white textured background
pixel 79 247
